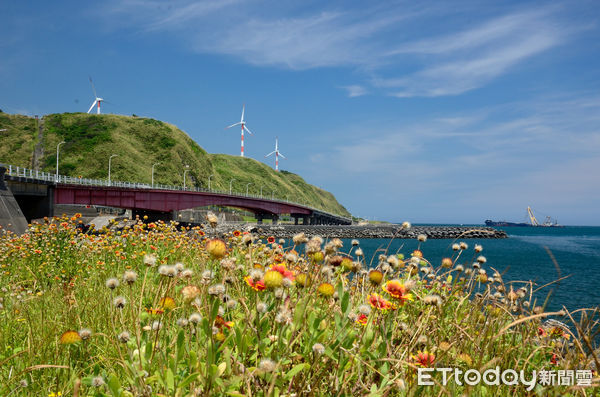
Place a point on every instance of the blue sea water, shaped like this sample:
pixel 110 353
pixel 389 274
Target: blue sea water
pixel 523 256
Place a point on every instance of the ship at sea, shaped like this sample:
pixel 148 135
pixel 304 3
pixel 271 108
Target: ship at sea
pixel 533 222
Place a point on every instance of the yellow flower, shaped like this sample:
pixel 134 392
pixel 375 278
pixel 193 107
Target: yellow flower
pixel 273 279
pixel 375 276
pixel 69 337
pixel 216 248
pixel 167 303
pixel 326 289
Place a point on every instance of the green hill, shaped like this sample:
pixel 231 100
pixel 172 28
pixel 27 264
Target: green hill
pixel 139 143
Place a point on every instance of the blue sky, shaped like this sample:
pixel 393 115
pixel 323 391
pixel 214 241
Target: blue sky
pixel 449 112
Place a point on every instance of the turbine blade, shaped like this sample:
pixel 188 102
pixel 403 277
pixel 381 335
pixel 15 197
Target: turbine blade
pixel 233 125
pixel 93 88
pixel 243 108
pixel 91 107
pixel 250 132
pixel 282 155
pixel 269 154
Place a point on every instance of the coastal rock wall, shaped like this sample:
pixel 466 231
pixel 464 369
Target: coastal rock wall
pixel 371 231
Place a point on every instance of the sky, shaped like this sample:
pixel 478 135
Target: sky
pixel 431 112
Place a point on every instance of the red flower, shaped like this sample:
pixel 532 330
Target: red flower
pixel 220 323
pixel 542 331
pixel 424 359
pixel 362 319
pixel 237 233
pixel 271 239
pixel 397 290
pixel 554 359
pixel 256 285
pixel 379 302
pixel 283 270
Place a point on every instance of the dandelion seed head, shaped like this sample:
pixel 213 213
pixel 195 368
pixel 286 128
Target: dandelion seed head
pixel 433 300
pixel 267 365
pixel 478 248
pixel 182 322
pixel 130 277
pixel 150 260
pixel 156 325
pixel 195 318
pixel 261 307
pixel 358 252
pixel 97 381
pixel 112 283
pixel 179 267
pixel 318 349
pixel 85 333
pixel 455 247
pixel 124 337
pixel 364 309
pixel 256 274
pixel 422 237
pixel 120 302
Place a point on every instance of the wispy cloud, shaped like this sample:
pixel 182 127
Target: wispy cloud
pixel 355 90
pixel 376 38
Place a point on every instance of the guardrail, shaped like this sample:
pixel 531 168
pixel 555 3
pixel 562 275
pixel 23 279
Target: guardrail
pixel 69 180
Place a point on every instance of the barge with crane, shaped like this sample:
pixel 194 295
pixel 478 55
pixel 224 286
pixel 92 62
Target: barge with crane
pixel 533 222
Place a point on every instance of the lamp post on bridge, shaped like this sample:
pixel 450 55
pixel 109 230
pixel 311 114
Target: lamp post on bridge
pixel 153 165
pixel 248 184
pixel 109 161
pixel 57 153
pixel 230 184
pixel 185 172
pixel 272 194
pixel 261 191
pixel 210 176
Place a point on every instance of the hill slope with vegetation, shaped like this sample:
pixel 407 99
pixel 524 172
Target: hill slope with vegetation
pixel 140 143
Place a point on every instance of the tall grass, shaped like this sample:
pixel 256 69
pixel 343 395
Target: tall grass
pixel 152 310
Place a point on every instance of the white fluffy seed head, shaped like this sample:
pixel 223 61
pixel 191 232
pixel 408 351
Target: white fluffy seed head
pixel 112 283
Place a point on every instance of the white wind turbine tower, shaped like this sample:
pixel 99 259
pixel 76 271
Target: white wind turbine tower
pixel 243 124
pixel 97 100
pixel 277 154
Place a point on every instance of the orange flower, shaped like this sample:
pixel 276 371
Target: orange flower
pixel 271 239
pixel 256 285
pixel 154 311
pixel 424 359
pixel 417 253
pixel 220 323
pixel 379 302
pixel 397 290
pixel 237 233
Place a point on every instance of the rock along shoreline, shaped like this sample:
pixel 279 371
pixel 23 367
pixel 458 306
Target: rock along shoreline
pixel 368 231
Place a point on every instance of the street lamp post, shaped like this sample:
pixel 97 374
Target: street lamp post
pixel 272 194
pixel 185 172
pixel 57 153
pixel 248 184
pixel 261 191
pixel 109 161
pixel 230 185
pixel 153 165
pixel 210 176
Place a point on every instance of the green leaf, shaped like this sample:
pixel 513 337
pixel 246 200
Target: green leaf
pixel 297 368
pixel 188 380
pixel 169 379
pixel 114 385
pixel 345 303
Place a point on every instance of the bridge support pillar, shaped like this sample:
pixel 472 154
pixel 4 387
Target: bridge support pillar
pixel 295 220
pixel 11 216
pixel 259 218
pixel 153 216
pixel 274 219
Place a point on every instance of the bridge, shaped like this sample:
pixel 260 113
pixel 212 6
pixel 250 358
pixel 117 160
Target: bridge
pixel 37 192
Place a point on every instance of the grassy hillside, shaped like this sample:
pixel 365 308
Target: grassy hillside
pixel 139 143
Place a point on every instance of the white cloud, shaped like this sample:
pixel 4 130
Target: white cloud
pixel 355 90
pixel 375 38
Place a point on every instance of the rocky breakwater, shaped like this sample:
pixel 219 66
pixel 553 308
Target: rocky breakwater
pixel 374 231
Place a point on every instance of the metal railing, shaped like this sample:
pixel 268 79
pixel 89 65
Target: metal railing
pixel 69 180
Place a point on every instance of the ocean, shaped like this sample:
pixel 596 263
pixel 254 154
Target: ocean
pixel 523 256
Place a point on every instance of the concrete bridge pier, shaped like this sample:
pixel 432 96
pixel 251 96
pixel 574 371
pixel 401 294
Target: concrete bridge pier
pixel 11 216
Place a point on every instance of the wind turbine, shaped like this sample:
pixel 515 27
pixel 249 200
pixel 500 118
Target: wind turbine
pixel 243 124
pixel 97 100
pixel 277 154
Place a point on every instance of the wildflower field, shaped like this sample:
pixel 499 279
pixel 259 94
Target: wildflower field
pixel 153 310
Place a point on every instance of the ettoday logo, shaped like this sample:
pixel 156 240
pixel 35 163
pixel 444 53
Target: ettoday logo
pixel 508 377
